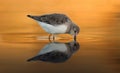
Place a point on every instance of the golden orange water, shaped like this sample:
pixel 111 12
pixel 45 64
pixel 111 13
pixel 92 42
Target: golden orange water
pixel 99 21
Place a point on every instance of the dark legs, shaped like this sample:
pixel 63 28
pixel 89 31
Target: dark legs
pixel 50 36
pixel 53 37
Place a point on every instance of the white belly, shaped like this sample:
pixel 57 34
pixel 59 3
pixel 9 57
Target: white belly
pixel 53 29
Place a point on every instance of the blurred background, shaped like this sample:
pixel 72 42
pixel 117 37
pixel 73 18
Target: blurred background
pixel 88 14
pixel 99 21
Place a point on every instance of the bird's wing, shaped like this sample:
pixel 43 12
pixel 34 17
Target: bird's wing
pixel 54 19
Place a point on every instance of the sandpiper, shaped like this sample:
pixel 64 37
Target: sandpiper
pixel 57 24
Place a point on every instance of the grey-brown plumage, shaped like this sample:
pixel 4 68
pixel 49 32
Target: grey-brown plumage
pixel 60 24
pixel 52 19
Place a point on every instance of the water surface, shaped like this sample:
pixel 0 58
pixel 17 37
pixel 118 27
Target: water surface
pixel 92 55
pixel 23 41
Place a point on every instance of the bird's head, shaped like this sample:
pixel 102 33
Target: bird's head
pixel 74 30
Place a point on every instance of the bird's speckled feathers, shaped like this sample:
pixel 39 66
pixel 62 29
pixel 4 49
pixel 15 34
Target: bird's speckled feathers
pixel 53 19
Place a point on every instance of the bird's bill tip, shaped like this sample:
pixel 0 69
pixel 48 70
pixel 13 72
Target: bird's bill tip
pixel 74 38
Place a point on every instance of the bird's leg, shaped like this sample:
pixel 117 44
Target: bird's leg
pixel 53 37
pixel 50 36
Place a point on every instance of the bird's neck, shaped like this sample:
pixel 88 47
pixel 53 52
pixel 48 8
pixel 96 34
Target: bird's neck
pixel 69 29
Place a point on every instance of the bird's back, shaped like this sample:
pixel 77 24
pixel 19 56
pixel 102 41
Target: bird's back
pixel 54 19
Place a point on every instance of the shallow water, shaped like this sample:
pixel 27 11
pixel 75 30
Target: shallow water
pixel 23 42
pixel 94 55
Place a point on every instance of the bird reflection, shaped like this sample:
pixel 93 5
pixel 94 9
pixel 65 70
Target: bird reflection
pixel 56 52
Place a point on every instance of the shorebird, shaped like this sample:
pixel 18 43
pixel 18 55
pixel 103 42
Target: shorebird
pixel 56 24
pixel 56 52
